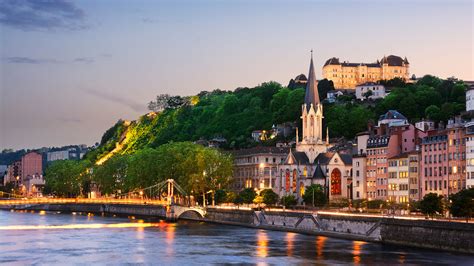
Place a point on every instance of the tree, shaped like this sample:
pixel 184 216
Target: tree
pixel 462 204
pixel 325 86
pixel 367 94
pixel 288 201
pixel 247 195
pixel 269 197
pixel 160 104
pixel 314 195
pixel 110 177
pixel 431 204
pixel 67 178
pixel 433 112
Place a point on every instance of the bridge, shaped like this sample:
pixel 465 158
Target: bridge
pixel 151 201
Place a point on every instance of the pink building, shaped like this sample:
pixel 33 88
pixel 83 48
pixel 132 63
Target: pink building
pixel 443 161
pixel 31 165
pixel 392 137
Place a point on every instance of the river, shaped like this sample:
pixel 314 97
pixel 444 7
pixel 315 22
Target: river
pixel 52 238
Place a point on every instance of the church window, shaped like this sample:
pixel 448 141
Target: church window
pixel 294 181
pixel 336 182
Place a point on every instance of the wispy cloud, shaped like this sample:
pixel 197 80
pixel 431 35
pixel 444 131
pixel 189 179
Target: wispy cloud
pixel 32 60
pixel 29 60
pixel 41 14
pixel 138 107
pixel 86 60
pixel 150 20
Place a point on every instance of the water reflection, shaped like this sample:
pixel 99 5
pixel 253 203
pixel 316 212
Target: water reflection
pixel 356 251
pixel 262 244
pixel 289 243
pixel 320 241
pixel 170 231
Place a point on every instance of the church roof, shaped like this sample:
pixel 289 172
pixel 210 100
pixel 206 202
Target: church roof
pixel 318 173
pixel 346 158
pixel 311 95
pixel 324 158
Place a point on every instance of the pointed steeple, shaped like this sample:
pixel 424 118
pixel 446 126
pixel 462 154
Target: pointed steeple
pixel 311 95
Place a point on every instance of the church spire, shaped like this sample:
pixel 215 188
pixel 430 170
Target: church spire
pixel 311 95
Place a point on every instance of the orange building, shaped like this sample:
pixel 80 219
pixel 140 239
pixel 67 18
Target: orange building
pixel 347 75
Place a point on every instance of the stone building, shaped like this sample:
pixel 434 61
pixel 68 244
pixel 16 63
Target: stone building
pixel 347 75
pixel 257 167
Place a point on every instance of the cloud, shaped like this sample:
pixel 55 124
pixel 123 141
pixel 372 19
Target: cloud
pixel 86 60
pixel 137 107
pixel 41 14
pixel 151 20
pixel 29 60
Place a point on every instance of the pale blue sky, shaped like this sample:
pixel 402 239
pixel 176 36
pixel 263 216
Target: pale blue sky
pixel 69 70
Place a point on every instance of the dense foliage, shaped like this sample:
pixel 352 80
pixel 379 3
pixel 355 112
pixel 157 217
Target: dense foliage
pixel 314 195
pixel 462 203
pixel 197 169
pixel 431 204
pixel 68 178
pixel 288 201
pixel 269 197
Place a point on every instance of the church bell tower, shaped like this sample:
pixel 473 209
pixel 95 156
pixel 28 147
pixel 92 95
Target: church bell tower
pixel 312 142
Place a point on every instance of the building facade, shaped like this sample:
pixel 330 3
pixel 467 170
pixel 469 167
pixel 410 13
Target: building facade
pixel 347 75
pixel 470 138
pixel 257 167
pixel 370 90
pixel 443 160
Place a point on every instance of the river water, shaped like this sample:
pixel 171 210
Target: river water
pixel 52 238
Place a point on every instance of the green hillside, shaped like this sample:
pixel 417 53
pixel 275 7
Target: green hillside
pixel 233 115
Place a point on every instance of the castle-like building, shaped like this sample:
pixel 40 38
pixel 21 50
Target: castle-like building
pixel 347 75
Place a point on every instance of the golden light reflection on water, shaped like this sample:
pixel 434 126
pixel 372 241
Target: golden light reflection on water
pixel 262 244
pixel 290 237
pixel 356 251
pixel 169 234
pixel 320 241
pixel 77 226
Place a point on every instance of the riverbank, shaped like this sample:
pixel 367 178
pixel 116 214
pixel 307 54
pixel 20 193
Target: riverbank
pixel 440 235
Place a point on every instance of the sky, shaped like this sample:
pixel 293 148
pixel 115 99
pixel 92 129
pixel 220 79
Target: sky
pixel 70 70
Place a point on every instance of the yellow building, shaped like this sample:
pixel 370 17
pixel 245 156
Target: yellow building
pixel 347 75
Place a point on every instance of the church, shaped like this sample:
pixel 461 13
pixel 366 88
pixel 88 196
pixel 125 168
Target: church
pixel 310 162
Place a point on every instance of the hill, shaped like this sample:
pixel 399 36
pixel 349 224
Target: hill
pixel 233 115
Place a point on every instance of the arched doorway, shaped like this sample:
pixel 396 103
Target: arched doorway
pixel 336 182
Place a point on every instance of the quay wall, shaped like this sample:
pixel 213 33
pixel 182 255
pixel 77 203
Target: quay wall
pixel 441 235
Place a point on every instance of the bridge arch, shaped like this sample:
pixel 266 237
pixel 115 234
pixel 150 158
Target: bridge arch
pixel 181 212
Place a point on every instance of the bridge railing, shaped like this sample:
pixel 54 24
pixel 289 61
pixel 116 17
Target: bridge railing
pixel 81 201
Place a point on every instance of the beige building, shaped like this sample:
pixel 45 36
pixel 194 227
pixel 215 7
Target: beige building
pixel 347 75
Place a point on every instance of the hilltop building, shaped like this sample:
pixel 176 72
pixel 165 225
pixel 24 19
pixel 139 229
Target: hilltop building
pixel 347 75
